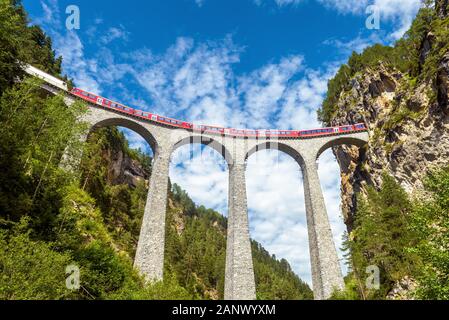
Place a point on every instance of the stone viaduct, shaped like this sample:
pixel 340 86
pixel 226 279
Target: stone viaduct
pixel 239 274
pixel 239 278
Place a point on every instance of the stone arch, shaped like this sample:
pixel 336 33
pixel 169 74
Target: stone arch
pixel 276 145
pixel 129 124
pixel 355 141
pixel 206 141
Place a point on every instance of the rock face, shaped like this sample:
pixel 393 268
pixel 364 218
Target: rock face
pixel 123 169
pixel 402 290
pixel 409 132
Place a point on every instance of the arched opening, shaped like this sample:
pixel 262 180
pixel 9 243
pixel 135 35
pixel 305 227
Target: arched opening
pixel 130 125
pixel 277 213
pixel 115 171
pixel 195 251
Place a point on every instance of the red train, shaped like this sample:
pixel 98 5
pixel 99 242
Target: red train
pixel 109 104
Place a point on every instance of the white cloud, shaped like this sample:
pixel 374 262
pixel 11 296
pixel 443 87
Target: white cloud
pixel 203 173
pixel 50 13
pixel 115 33
pixel 308 93
pixel 199 3
pixel 75 64
pixel 357 44
pixel 263 89
pixel 347 6
pixel 280 3
pixel 400 12
pixel 191 77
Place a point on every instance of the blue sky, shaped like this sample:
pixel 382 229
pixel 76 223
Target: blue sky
pixel 237 63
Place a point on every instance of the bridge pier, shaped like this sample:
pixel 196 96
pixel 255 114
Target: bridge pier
pixel 326 270
pixel 150 249
pixel 239 277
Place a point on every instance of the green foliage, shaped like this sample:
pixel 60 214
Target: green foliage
pixel 181 197
pixel 79 222
pixel 381 236
pixel 195 251
pixel 121 206
pixel 275 279
pixel 351 290
pixel 403 238
pixel 371 57
pixel 22 43
pixel 35 132
pixel 430 222
pixel 29 269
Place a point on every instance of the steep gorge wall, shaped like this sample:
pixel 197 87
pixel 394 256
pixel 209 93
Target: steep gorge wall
pixel 408 123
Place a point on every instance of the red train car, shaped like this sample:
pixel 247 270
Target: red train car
pixel 92 98
pixel 106 103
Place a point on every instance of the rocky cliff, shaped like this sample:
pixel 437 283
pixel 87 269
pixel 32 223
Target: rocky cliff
pixel 124 169
pixel 406 112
